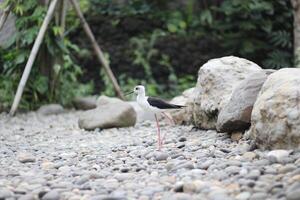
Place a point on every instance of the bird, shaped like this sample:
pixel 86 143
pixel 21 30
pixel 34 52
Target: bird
pixel 154 105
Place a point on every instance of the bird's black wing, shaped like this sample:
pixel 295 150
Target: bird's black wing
pixel 161 104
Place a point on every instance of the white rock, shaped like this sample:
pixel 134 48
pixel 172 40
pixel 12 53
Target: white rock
pixel 278 155
pixel 111 115
pixel 216 82
pixel 276 112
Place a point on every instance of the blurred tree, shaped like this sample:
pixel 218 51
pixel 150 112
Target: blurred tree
pixel 296 11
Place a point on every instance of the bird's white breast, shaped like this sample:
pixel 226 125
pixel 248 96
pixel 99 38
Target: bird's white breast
pixel 142 101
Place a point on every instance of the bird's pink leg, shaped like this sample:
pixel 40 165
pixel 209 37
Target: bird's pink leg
pixel 169 118
pixel 158 133
pixel 171 123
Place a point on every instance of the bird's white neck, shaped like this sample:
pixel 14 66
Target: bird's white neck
pixel 141 96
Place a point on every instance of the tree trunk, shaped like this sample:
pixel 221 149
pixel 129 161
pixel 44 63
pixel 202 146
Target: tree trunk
pixel 296 11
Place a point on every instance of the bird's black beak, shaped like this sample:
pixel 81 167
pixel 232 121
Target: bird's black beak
pixel 128 93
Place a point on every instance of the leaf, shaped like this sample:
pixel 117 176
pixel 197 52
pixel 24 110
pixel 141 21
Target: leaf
pixel 20 58
pixel 281 38
pixel 172 28
pixel 41 84
pixel 206 17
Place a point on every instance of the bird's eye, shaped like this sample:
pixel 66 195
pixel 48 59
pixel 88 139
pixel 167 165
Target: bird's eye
pixel 136 88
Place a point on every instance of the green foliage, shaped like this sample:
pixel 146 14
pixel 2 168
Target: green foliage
pixel 54 77
pixel 144 51
pixel 132 7
pixel 250 28
pixel 259 30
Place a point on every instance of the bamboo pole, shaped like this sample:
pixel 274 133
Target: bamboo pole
pixel 4 16
pixel 63 17
pixel 32 56
pixel 97 49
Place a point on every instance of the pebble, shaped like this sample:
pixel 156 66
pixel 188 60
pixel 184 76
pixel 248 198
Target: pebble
pixel 205 165
pixel 253 174
pixel 51 195
pixel 259 196
pixel 69 163
pixel 293 195
pixel 180 145
pixel 160 156
pixel 249 155
pixel 236 136
pixel 5 193
pixel 232 170
pixel 26 157
pixel 123 176
pixel 193 187
pixel 287 168
pixel 182 139
pixel 243 196
pixel 27 197
pixel 278 155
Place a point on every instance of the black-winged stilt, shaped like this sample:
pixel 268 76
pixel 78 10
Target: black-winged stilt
pixel 155 106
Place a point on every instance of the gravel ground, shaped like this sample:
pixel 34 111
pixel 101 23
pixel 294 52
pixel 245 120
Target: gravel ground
pixel 49 157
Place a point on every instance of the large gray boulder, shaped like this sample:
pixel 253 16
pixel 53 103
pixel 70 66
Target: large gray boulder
pixel 102 100
pixel 85 103
pixel 216 81
pixel 236 114
pixel 275 120
pixel 110 115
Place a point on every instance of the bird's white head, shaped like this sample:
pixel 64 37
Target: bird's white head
pixel 139 90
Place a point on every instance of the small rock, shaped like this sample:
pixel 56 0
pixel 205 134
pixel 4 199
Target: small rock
pixel 233 170
pixel 293 195
pixel 180 145
pixel 186 165
pixel 249 155
pixel 52 195
pixel 27 197
pixel 47 165
pixel 287 168
pixel 259 196
pixel 236 136
pixel 123 176
pixel 26 157
pixel 253 174
pixel 178 187
pixel 179 196
pixel 51 109
pixel 243 196
pixel 5 193
pixel 293 191
pixel 216 195
pixel 124 169
pixel 182 139
pixel 205 164
pixel 159 156
pixel 193 187
pixel 278 155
